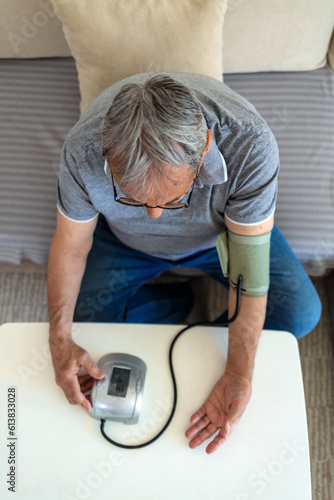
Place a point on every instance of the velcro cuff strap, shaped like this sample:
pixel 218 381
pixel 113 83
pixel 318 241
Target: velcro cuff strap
pixel 222 250
pixel 248 255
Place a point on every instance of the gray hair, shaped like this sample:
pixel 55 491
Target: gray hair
pixel 150 126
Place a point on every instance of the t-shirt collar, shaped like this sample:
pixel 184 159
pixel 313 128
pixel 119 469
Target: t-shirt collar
pixel 213 170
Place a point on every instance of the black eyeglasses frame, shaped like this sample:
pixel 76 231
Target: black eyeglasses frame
pixel 165 207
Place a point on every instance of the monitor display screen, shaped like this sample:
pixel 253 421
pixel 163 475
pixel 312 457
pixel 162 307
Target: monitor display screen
pixel 119 382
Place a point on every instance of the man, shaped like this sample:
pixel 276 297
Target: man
pixel 154 171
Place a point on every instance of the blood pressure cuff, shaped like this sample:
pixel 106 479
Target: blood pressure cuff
pixel 246 255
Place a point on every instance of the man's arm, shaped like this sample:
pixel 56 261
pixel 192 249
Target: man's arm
pixel 245 331
pixel 229 398
pixel 67 260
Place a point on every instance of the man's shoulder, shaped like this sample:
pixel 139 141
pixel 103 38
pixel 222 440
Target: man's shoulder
pixel 222 106
pixel 86 133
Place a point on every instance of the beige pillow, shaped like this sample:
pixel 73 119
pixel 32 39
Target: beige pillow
pixel 111 40
pixel 277 35
pixel 29 29
pixel 331 54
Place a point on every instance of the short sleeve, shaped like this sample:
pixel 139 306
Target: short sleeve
pixel 72 198
pixel 253 198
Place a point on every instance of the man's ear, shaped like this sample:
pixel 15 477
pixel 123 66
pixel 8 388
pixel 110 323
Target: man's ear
pixel 209 137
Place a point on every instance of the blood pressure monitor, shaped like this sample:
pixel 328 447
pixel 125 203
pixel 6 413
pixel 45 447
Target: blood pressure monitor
pixel 118 396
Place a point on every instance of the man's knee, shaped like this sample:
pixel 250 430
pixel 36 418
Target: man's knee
pixel 293 305
pixel 306 319
pixel 297 313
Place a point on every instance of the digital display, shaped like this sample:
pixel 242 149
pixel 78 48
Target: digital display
pixel 119 382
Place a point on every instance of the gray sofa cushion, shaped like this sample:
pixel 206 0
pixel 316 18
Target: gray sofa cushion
pixel 39 103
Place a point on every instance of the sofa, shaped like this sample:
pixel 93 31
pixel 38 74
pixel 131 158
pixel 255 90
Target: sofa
pixel 278 55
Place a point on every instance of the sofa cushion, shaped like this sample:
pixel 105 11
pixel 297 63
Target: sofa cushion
pixel 271 35
pixel 113 40
pixel 30 29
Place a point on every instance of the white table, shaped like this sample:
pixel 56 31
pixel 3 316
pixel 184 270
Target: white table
pixel 60 454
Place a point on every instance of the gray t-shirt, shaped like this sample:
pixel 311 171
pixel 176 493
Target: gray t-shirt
pixel 238 178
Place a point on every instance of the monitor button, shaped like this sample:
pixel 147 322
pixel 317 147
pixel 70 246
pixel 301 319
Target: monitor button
pixel 139 385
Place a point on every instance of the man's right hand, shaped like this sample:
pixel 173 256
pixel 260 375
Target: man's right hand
pixel 68 357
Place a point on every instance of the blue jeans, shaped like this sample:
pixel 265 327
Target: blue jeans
pixel 113 287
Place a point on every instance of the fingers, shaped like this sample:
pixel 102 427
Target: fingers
pixel 91 368
pixel 86 382
pixel 198 414
pixel 205 434
pixel 200 425
pixel 68 358
pixel 221 437
pixel 74 387
pixel 84 378
pixel 73 393
pixel 75 390
pixel 204 429
pixel 77 386
pixel 84 402
pixel 223 434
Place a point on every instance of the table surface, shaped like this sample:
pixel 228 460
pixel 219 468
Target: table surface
pixel 59 452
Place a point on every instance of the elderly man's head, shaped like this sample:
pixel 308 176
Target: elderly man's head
pixel 154 138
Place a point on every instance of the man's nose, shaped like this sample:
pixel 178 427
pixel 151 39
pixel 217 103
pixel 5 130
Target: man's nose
pixel 154 212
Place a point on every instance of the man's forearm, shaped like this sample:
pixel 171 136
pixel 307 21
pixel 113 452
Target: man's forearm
pixel 65 271
pixel 244 333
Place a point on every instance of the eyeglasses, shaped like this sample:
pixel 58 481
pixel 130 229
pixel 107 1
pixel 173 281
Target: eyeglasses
pixel 169 206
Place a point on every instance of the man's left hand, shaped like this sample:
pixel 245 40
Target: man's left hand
pixel 220 412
